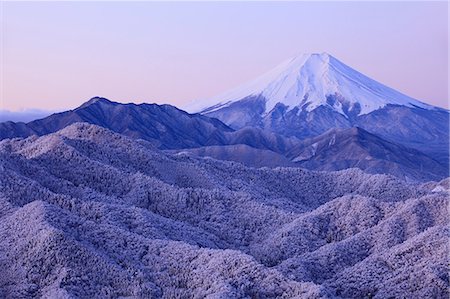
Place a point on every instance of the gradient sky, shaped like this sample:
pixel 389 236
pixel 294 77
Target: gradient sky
pixel 56 55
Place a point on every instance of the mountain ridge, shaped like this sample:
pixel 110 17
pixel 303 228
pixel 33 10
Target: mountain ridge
pixel 169 128
pixel 308 95
pixel 306 81
pixel 101 214
pixel 339 149
pixel 162 124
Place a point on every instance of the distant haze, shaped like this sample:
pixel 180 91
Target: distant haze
pixel 55 55
pixel 23 115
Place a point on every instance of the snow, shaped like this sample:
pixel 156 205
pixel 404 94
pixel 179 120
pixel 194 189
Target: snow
pixel 94 214
pixel 310 78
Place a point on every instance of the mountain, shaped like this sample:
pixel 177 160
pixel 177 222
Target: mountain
pixel 242 153
pixel 333 150
pixel 310 81
pixel 339 149
pixel 310 94
pixel 164 125
pixel 86 212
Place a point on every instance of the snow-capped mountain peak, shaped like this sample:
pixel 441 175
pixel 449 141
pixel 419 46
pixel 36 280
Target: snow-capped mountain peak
pixel 312 80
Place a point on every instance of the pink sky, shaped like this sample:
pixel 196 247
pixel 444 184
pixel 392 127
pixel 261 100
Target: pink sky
pixel 57 55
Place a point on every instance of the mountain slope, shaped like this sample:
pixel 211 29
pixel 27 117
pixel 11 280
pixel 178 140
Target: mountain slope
pixel 164 125
pixel 345 148
pixel 333 150
pixel 103 215
pixel 314 80
pixel 421 129
pixel 241 153
pixel 167 127
pixel 310 94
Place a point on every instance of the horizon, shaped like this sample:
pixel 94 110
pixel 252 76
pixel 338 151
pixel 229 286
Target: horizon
pixel 165 43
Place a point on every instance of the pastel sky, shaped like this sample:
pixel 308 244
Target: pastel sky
pixel 56 55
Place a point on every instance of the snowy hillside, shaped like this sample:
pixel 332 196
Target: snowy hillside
pixel 85 212
pixel 307 81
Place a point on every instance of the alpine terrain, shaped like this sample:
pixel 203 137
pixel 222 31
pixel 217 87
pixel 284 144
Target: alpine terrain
pixel 307 95
pixel 89 213
pixel 312 181
pixel 169 128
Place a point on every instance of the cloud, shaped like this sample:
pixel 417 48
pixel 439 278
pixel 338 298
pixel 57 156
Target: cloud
pixel 23 115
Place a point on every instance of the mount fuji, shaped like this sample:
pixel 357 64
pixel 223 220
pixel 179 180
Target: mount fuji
pixel 308 81
pixel 310 94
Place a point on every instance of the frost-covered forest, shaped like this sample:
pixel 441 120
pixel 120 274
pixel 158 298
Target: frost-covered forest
pixel 88 213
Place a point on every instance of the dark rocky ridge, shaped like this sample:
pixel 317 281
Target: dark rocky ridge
pixel 164 125
pixel 169 128
pixel 421 129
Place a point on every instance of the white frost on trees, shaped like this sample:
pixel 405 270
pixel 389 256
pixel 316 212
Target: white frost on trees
pixel 88 213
